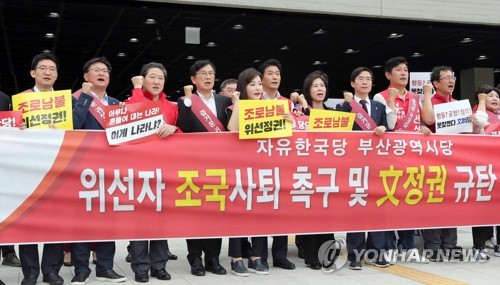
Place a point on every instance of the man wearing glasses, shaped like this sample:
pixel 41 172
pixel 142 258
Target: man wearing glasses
pixel 203 111
pixel 87 116
pixel 443 81
pixel 44 70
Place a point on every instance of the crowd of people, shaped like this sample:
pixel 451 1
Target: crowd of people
pixel 389 110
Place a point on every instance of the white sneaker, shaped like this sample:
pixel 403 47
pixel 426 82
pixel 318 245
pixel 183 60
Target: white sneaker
pixel 413 255
pixel 490 243
pixel 480 255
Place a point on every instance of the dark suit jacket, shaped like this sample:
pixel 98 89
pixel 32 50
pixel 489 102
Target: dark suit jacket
pixel 82 117
pixel 378 113
pixel 189 123
pixel 4 102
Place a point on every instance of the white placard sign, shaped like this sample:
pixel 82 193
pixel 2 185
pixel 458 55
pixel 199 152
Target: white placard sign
pixel 453 117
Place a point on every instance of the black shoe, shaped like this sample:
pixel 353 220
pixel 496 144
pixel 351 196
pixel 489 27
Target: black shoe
pixel 435 257
pixel 128 258
pixel 264 262
pixel 315 265
pixel 53 279
pixel 355 265
pixel 455 254
pixel 257 267
pixel 215 267
pixel 1 282
pixel 238 268
pixel 10 259
pixel 110 275
pixel 80 279
pixel 29 280
pixel 141 276
pixel 197 268
pixel 171 256
pixel 161 274
pixel 284 263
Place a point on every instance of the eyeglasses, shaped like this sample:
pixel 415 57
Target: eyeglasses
pixel 448 78
pixel 364 79
pixel 97 70
pixel 204 73
pixel 44 68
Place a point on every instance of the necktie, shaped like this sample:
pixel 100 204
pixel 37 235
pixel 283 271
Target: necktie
pixel 363 104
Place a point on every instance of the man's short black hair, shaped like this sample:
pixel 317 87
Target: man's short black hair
pixel 199 64
pixel 44 56
pixel 436 72
pixel 394 62
pixel 269 62
pixel 101 59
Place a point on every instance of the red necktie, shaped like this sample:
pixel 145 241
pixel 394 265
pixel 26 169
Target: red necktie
pixel 363 104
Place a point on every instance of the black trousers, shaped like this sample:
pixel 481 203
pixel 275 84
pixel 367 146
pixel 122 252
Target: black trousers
pixel 435 239
pixel 52 259
pixel 80 254
pixel 357 242
pixel 196 247
pixel 148 255
pixel 235 246
pixel 6 249
pixel 279 248
pixel 480 235
pixel 311 244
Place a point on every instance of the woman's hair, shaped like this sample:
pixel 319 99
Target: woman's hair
pixel 308 81
pixel 245 77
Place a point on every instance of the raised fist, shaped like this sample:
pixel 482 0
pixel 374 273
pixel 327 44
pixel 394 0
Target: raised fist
pixel 428 89
pixel 393 93
pixel 137 81
pixel 188 91
pixel 348 96
pixel 86 87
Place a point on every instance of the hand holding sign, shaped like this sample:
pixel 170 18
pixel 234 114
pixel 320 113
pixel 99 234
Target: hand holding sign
pixel 166 130
pixel 137 81
pixel 188 91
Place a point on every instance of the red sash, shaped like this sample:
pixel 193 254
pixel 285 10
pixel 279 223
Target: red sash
pixel 412 112
pixel 96 108
pixel 494 127
pixel 364 121
pixel 205 116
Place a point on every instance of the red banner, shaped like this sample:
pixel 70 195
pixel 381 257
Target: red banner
pixel 72 186
pixel 11 119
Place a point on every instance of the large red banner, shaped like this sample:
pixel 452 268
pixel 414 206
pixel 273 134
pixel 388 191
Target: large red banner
pixel 72 186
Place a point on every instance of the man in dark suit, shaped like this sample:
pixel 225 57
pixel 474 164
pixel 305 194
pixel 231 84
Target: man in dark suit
pixel 361 81
pixel 96 74
pixel 203 111
pixel 44 69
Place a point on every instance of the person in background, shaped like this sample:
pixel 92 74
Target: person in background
pixel 227 87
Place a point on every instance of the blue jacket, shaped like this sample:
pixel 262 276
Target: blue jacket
pixel 82 117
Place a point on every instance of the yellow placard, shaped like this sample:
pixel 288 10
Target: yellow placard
pixel 262 119
pixel 43 109
pixel 327 120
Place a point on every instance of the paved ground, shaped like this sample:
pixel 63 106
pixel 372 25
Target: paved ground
pixel 407 273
